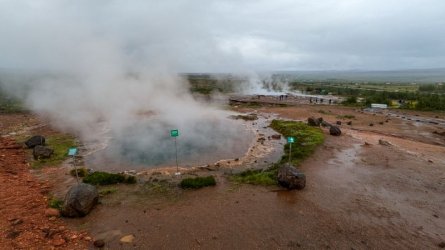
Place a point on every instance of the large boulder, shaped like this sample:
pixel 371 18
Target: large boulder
pixel 34 141
pixel 335 131
pixel 312 121
pixel 42 152
pixel 79 200
pixel 290 178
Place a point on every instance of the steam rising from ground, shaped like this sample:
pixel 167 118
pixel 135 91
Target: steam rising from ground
pixel 264 84
pixel 118 75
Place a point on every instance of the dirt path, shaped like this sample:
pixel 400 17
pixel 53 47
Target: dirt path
pixel 25 221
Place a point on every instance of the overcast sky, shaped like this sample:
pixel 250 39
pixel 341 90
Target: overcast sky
pixel 223 35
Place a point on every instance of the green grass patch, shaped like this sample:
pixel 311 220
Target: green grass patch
pixel 55 203
pixel 197 182
pixel 265 177
pixel 60 143
pixel 104 178
pixel 162 188
pixel 307 140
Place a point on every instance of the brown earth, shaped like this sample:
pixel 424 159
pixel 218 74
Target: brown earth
pixel 26 222
pixel 359 195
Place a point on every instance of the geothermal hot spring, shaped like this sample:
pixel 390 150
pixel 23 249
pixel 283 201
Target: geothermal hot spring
pixel 147 143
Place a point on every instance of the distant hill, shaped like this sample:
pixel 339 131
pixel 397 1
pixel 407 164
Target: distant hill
pixel 414 75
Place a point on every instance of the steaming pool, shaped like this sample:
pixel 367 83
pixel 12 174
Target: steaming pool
pixel 147 144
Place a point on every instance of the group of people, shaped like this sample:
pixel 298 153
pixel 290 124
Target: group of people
pixel 282 97
pixel 317 100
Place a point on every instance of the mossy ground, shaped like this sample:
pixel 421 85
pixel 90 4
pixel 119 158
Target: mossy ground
pixel 60 143
pixel 307 139
pixel 104 178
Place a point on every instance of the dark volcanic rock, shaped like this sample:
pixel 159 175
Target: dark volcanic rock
pixel 289 177
pixel 34 141
pixel 99 243
pixel 338 122
pixel 276 137
pixel 335 131
pixel 311 121
pixel 42 152
pixel 349 123
pixel 79 200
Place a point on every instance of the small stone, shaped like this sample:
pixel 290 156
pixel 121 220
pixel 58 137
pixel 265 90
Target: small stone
pixel 88 238
pixel 384 143
pixel 17 222
pixel 441 244
pixel 13 234
pixel 58 241
pixel 99 243
pixel 127 239
pixel 52 212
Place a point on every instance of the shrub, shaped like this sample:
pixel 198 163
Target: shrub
pixel 198 182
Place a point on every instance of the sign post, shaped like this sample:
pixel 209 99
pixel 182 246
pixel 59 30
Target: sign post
pixel 73 152
pixel 175 133
pixel 290 140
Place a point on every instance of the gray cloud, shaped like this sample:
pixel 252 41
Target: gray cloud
pixel 196 36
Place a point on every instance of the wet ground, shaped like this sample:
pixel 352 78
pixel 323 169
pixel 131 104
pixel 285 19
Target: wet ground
pixel 360 194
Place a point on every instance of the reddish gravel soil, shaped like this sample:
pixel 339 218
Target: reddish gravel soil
pixel 26 222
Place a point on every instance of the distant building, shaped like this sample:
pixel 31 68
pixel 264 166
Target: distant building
pixel 380 106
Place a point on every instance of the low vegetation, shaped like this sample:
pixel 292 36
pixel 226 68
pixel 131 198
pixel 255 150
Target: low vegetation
pixel 60 143
pixel 400 95
pixel 55 203
pixel 257 177
pixel 306 141
pixel 9 104
pixel 81 172
pixel 104 178
pixel 345 116
pixel 107 191
pixel 197 182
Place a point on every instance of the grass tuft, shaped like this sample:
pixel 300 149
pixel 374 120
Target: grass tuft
pixel 104 178
pixel 55 203
pixel 197 182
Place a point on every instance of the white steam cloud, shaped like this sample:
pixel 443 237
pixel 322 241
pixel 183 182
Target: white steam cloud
pixel 117 74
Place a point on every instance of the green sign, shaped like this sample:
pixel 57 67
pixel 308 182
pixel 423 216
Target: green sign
pixel 290 139
pixel 174 133
pixel 72 151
